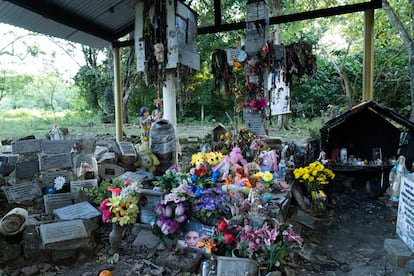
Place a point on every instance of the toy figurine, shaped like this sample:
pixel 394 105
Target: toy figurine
pixel 145 122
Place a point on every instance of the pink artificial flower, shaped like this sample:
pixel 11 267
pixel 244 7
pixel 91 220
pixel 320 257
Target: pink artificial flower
pixel 106 215
pixel 173 197
pixel 292 236
pixel 104 205
pixel 127 182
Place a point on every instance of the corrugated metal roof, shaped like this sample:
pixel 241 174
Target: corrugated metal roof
pixel 96 23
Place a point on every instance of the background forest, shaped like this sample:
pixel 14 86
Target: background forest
pixel 49 95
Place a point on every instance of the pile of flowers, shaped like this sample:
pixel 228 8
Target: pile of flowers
pixel 313 176
pixel 173 211
pixel 122 206
pixel 272 244
pixel 211 205
pixel 255 104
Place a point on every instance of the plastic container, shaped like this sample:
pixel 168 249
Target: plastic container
pixel 232 266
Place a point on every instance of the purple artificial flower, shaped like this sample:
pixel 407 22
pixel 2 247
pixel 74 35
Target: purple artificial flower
pixel 180 209
pixel 168 211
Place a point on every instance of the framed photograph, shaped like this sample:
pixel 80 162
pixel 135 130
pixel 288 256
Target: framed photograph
pixel 193 232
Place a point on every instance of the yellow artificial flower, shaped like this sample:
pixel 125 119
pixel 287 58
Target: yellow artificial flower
pixel 267 176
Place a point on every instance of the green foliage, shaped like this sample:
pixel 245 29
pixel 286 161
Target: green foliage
pixel 100 193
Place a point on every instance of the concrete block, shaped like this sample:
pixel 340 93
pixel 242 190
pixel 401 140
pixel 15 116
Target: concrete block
pixel 398 251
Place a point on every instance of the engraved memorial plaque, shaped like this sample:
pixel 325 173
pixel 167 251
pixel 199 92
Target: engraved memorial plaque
pixel 56 146
pixel 87 183
pixel 109 170
pixel 254 121
pixel 55 161
pixel 22 192
pixel 55 201
pixel 82 210
pixel 136 176
pixel 127 149
pixel 26 146
pixel 62 231
pixel 27 169
pixel 49 177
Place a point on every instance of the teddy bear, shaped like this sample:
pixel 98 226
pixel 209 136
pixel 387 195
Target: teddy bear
pixel 236 157
pixel 146 159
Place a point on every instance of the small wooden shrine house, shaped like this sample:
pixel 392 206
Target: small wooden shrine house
pixel 368 127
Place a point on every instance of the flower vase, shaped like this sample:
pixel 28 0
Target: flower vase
pixel 318 201
pixel 115 237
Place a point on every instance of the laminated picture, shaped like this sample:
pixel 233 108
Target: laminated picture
pixel 193 232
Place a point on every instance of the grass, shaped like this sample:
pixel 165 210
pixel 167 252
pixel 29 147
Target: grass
pixel 20 123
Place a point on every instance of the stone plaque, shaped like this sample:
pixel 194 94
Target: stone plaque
pixel 405 218
pixel 49 177
pixel 27 169
pixel 22 192
pixel 55 161
pixel 56 146
pixel 26 146
pixel 136 176
pixel 148 200
pixel 82 210
pixel 55 201
pixel 254 121
pixel 87 183
pixel 109 170
pixel 62 231
pixel 127 149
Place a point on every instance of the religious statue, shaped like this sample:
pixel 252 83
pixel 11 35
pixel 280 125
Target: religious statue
pixel 395 178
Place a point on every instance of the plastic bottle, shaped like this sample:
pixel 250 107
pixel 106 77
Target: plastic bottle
pixel 282 170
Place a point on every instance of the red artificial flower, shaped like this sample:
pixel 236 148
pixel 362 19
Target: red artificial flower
pixel 228 237
pixel 115 191
pixel 222 226
pixel 127 182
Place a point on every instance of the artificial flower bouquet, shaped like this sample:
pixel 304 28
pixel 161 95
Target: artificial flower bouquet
pixel 173 211
pixel 273 244
pixel 122 206
pixel 255 104
pixel 313 176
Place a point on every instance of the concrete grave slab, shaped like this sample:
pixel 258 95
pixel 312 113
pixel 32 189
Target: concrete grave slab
pixel 136 176
pixel 26 146
pixel 146 237
pixel 56 146
pixel 109 170
pixel 55 201
pixel 27 169
pixel 62 231
pixel 127 149
pixel 49 177
pixel 87 183
pixel 82 210
pixel 22 192
pixel 55 161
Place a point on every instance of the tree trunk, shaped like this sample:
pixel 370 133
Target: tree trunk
pixel 408 43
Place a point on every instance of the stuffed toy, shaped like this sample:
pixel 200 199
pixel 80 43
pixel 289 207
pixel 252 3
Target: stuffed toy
pixel 146 159
pixel 236 157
